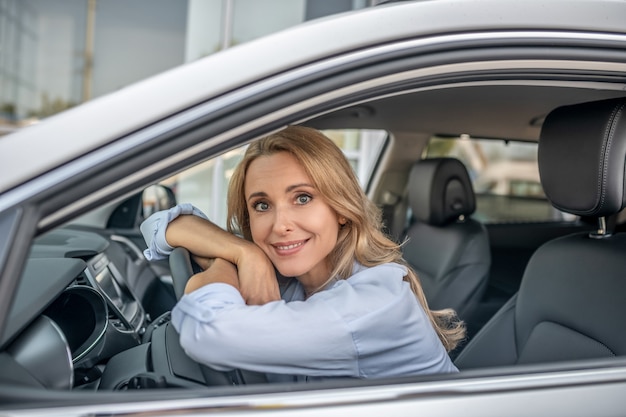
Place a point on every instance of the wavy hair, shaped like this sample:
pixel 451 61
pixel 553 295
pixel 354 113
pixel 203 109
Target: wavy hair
pixel 361 238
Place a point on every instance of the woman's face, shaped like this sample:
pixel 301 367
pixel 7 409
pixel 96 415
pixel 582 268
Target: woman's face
pixel 289 219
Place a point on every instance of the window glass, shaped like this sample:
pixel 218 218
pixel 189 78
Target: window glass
pixel 505 176
pixel 362 147
pixel 206 185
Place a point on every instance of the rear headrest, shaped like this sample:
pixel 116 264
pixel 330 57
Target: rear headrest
pixel 440 191
pixel 582 153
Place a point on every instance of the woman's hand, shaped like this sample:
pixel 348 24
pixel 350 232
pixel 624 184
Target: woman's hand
pixel 257 276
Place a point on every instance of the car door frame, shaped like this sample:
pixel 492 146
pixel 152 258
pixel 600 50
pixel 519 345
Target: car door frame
pixel 259 108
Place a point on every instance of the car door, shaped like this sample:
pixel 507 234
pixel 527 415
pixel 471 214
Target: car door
pixel 182 128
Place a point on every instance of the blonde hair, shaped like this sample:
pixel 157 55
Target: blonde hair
pixel 361 238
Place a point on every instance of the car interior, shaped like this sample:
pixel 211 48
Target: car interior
pixel 544 321
pixel 530 291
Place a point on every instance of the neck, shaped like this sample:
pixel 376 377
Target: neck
pixel 309 290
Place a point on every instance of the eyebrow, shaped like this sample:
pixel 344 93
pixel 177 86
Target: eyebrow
pixel 287 190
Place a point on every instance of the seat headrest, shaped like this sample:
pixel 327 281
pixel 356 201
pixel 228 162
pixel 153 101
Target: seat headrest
pixel 439 191
pixel 582 154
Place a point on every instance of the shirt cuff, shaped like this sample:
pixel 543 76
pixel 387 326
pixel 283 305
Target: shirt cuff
pixel 153 230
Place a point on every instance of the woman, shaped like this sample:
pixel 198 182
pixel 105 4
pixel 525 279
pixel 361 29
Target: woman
pixel 347 304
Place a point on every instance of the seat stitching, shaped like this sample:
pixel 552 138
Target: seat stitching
pixel 606 147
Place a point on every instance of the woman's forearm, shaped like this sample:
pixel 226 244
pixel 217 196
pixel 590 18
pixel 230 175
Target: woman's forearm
pixel 203 238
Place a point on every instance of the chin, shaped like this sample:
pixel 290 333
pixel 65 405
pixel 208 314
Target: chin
pixel 289 272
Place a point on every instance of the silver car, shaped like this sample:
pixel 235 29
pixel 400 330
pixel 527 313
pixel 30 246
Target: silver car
pixel 84 319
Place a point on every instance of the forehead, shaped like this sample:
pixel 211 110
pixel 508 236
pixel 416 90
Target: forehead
pixel 277 170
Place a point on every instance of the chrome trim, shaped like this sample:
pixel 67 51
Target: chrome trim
pixel 433 398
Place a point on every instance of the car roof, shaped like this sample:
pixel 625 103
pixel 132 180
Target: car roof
pixel 76 132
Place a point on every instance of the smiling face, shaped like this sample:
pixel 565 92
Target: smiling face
pixel 289 219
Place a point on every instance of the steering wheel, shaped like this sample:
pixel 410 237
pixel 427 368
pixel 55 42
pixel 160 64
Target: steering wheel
pixel 182 268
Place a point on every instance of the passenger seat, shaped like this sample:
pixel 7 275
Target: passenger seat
pixel 448 250
pixel 570 305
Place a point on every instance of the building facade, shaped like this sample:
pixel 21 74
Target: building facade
pixel 56 54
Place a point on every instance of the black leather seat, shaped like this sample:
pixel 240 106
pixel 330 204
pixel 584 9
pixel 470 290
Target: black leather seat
pixel 571 301
pixel 449 250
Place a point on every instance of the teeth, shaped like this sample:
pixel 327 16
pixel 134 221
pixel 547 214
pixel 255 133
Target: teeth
pixel 295 245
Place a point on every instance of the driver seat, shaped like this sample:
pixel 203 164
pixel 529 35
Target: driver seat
pixel 570 304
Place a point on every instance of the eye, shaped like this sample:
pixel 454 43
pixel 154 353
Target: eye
pixel 261 206
pixel 303 199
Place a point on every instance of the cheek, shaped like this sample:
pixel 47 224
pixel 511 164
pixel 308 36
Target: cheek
pixel 328 226
pixel 259 228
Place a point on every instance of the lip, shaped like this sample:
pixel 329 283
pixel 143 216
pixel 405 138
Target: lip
pixel 289 248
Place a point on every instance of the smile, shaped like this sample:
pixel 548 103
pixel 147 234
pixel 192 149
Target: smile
pixel 290 246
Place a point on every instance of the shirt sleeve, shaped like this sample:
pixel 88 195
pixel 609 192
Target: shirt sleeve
pixel 369 325
pixel 154 227
pixel 218 329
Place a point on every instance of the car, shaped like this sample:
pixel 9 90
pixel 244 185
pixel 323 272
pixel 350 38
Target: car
pixel 84 318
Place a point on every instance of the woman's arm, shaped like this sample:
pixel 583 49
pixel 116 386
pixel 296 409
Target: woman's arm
pixel 176 228
pixel 370 325
pixel 257 278
pixel 217 329
pixel 203 238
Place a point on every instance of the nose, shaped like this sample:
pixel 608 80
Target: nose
pixel 283 220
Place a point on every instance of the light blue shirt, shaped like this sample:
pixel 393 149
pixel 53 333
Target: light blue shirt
pixel 153 230
pixel 367 326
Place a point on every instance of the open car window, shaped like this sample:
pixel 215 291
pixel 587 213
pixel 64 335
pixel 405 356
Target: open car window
pixel 206 184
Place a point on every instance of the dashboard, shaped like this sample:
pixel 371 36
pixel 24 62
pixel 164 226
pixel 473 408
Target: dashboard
pixel 77 322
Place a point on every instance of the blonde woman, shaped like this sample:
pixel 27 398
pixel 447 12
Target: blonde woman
pixel 345 303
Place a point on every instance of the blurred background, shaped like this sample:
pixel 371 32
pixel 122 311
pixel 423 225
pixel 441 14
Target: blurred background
pixel 55 54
